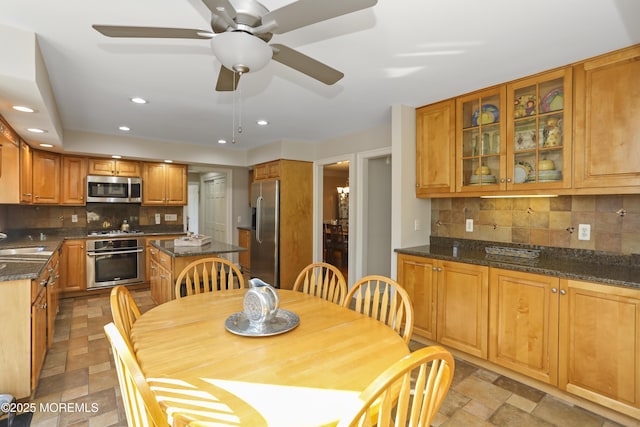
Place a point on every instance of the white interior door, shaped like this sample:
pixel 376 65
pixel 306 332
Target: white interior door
pixel 215 224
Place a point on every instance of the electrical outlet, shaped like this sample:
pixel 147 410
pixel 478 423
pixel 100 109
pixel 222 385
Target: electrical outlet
pixel 74 217
pixel 469 226
pixel 584 232
pixel 157 218
pixel 416 224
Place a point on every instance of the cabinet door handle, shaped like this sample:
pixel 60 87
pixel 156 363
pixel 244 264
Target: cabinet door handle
pixel 563 292
pixel 554 290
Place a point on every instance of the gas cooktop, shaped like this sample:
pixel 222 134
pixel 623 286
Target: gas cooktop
pixel 114 233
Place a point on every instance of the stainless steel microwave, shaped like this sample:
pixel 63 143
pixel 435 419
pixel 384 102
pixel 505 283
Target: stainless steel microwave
pixel 114 189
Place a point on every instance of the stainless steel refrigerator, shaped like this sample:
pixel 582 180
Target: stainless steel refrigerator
pixel 265 231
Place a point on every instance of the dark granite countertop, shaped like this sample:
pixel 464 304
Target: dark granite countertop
pixel 593 266
pixel 212 248
pixel 30 266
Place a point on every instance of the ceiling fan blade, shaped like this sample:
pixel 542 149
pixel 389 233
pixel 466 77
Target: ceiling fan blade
pixel 305 64
pixel 306 12
pixel 225 80
pixel 216 5
pixel 152 32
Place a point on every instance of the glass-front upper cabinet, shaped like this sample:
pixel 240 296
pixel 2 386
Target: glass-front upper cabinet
pixel 539 131
pixel 480 119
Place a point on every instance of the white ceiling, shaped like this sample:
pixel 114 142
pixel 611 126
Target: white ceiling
pixel 410 52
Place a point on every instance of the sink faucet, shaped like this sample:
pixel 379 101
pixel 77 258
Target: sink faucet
pixel 3 236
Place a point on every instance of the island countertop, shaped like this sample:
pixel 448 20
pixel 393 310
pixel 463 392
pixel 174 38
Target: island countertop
pixel 212 248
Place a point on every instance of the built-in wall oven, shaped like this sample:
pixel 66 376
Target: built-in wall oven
pixel 115 261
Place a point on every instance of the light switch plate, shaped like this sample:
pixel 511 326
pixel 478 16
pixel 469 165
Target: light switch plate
pixel 584 232
pixel 170 217
pixel 74 218
pixel 157 218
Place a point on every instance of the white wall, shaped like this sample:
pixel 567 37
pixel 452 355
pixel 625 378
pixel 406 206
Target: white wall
pixel 377 259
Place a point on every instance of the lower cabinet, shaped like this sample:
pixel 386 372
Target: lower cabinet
pixel 581 337
pixel 523 319
pixel 244 241
pixel 73 266
pixel 160 279
pixel 600 344
pixel 454 297
pixel 38 335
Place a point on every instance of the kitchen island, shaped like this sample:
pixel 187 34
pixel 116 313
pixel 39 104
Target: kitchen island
pixel 168 260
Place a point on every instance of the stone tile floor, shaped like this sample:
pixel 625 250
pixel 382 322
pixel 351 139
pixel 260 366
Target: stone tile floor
pixel 79 371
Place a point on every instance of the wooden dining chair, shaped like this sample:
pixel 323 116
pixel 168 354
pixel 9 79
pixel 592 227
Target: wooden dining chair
pixel 322 280
pixel 409 393
pixel 208 275
pixel 141 407
pixel 124 311
pixel 383 299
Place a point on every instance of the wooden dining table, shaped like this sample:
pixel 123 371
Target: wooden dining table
pixel 202 374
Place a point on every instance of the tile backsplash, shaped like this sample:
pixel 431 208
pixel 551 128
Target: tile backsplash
pixel 552 221
pixel 94 216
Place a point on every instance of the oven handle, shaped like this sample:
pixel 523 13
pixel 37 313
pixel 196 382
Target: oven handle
pixel 92 253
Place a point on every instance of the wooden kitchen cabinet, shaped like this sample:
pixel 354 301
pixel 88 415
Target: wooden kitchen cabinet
pixel 450 300
pixel 161 284
pixel 38 335
pixel 269 170
pixel 9 166
pixel 149 251
pixel 435 148
pixel 111 167
pixel 419 277
pixel 26 173
pixel 523 323
pixel 73 185
pixel 607 130
pixel 46 177
pixel 244 241
pixel 600 344
pixel 53 271
pixel 463 304
pixel 164 184
pixel 73 266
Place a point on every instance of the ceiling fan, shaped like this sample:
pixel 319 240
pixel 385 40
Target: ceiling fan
pixel 242 30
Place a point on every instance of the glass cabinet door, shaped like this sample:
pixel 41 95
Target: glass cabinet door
pixel 480 142
pixel 540 132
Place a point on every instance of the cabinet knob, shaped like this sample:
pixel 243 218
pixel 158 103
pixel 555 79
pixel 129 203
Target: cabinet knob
pixel 502 180
pixel 434 269
pixel 563 292
pixel 554 290
pixel 439 269
pixel 508 179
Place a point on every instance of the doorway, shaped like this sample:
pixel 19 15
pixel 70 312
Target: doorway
pixel 335 215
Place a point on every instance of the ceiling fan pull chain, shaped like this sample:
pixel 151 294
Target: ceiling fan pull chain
pixel 240 111
pixel 233 111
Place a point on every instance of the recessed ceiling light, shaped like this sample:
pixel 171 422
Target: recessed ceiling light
pixel 124 128
pixel 36 130
pixel 262 122
pixel 23 109
pixel 138 100
pixel 168 161
pixel 46 145
pixel 222 141
pixel 115 156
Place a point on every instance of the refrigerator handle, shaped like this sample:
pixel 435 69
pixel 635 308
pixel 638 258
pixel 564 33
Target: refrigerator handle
pixel 259 219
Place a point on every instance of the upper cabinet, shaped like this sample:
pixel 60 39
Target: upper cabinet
pixel 9 166
pixel 435 153
pixel 114 167
pixel 26 173
pixel 269 170
pixel 480 128
pixel 571 130
pixel 164 184
pixel 539 131
pixel 73 185
pixel 607 128
pixel 46 177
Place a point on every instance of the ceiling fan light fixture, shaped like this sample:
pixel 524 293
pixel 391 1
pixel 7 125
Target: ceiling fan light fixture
pixel 240 51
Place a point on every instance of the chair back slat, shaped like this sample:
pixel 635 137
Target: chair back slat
pixel 392 399
pixel 124 311
pixel 323 281
pixel 208 275
pixel 385 300
pixel 141 407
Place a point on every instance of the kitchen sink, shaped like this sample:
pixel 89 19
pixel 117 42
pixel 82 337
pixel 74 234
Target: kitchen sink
pixel 30 250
